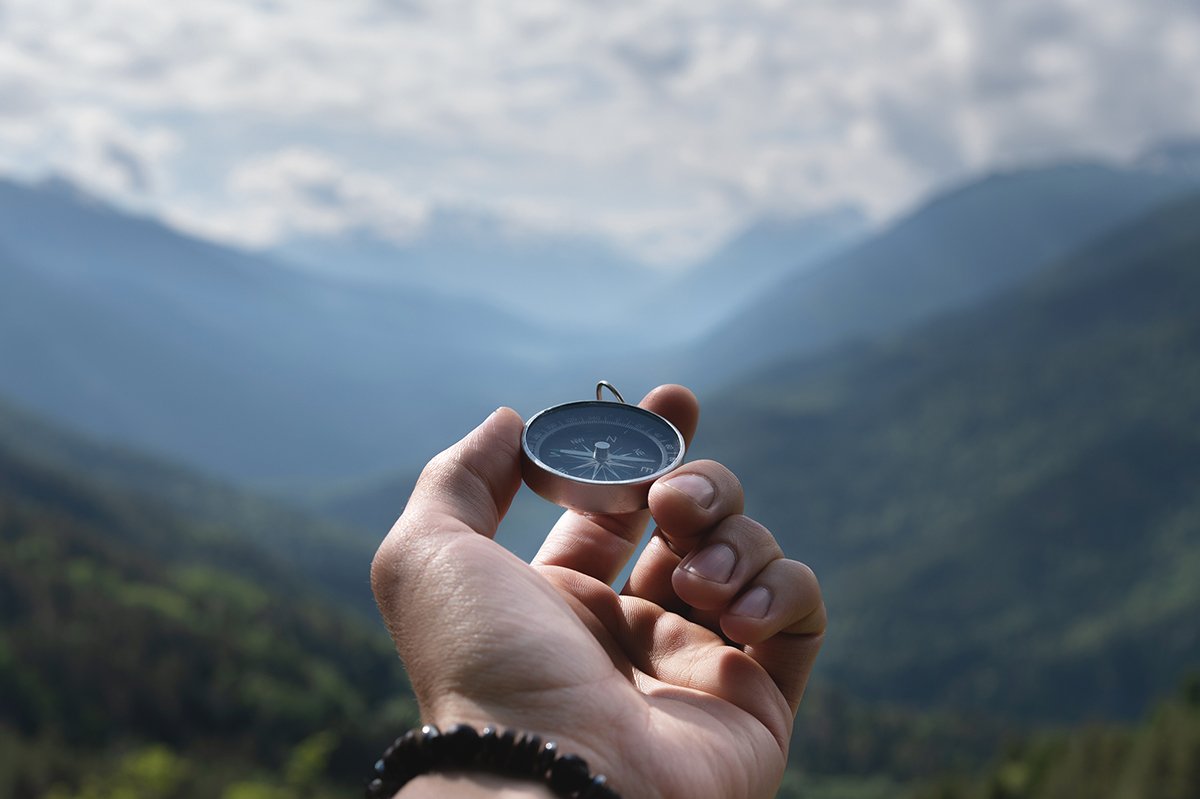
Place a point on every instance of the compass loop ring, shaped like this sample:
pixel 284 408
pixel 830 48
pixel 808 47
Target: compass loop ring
pixel 603 384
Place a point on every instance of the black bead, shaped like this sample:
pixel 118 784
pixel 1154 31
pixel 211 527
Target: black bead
pixel 524 755
pixel 429 746
pixel 504 748
pixel 461 744
pixel 545 758
pixel 374 789
pixel 568 774
pixel 489 740
pixel 510 756
pixel 598 789
pixel 380 766
pixel 405 747
pixel 403 772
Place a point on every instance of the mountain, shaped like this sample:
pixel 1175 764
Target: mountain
pixel 722 284
pixel 961 247
pixel 555 280
pixel 331 558
pixel 126 329
pixel 1172 157
pixel 137 644
pixel 772 246
pixel 1002 502
pixel 581 283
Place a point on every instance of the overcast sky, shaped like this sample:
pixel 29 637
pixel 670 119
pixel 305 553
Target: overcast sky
pixel 661 123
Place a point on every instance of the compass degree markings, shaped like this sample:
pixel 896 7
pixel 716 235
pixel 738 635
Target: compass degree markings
pixel 629 439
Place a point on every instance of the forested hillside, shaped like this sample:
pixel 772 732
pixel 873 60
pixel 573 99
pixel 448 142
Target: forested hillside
pixel 140 649
pixel 329 557
pixel 1002 505
pixel 1159 759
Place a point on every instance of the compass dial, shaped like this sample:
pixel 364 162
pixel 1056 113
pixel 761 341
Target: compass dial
pixel 603 444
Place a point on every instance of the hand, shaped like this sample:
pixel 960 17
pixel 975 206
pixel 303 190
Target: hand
pixel 683 685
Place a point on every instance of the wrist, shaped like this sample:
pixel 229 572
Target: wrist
pixel 472 786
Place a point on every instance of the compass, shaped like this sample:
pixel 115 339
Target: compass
pixel 598 456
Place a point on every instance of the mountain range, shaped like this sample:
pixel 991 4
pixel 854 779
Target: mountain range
pixel 248 368
pixel 554 280
pixel 1002 502
pixel 124 328
pixel 960 247
pixel 574 282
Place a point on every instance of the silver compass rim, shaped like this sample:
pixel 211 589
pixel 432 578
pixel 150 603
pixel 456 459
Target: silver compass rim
pixel 675 463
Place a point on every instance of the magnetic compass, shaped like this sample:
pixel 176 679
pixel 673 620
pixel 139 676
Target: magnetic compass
pixel 598 456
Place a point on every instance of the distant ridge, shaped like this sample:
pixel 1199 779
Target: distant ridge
pixel 960 247
pixel 1173 157
pixel 124 328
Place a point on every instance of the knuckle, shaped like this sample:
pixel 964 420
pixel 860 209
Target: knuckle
pixel 438 470
pixel 806 576
pixel 386 571
pixel 750 535
pixel 383 569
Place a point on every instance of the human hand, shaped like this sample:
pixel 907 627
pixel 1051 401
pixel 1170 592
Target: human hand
pixel 683 685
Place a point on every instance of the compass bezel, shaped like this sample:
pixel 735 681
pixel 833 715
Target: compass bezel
pixel 588 495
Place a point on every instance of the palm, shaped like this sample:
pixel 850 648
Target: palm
pixel 682 734
pixel 564 654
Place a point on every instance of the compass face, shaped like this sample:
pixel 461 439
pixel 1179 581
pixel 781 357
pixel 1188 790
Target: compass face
pixel 598 457
pixel 603 442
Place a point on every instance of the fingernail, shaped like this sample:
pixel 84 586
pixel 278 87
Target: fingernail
pixel 753 604
pixel 713 563
pixel 699 488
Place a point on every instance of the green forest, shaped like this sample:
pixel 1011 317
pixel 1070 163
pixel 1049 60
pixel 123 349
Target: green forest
pixel 145 655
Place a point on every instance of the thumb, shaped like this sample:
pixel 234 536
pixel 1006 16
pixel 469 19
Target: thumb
pixel 468 487
pixel 464 490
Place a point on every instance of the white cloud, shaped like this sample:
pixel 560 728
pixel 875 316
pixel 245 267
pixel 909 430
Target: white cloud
pixel 663 123
pixel 298 192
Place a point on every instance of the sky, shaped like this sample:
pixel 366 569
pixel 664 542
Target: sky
pixel 662 125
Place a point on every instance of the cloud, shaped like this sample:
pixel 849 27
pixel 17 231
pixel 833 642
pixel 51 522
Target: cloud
pixel 300 192
pixel 662 123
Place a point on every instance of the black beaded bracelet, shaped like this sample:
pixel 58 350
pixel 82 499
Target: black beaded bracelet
pixel 519 755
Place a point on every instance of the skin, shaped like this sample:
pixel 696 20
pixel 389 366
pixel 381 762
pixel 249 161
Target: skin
pixel 673 687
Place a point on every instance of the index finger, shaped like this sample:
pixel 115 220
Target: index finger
pixel 600 545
